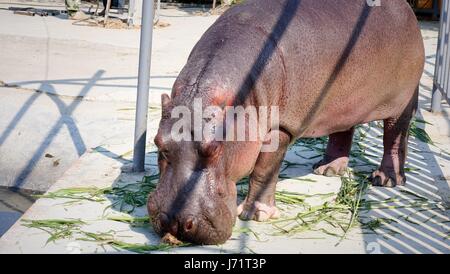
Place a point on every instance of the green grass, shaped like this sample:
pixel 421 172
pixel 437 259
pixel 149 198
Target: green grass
pixel 418 132
pixel 340 213
pixel 71 228
pixel 133 221
pixel 247 231
pixel 109 239
pixel 57 228
pixel 92 194
pixel 131 196
pixel 375 224
pixel 126 197
pixel 282 196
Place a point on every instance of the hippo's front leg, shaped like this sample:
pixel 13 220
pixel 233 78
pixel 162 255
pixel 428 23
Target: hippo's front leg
pixel 259 205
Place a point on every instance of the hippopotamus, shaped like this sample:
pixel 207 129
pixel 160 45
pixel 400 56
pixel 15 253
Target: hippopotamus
pixel 327 65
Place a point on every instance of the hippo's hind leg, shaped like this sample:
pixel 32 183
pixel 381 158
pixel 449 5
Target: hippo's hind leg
pixel 395 140
pixel 335 160
pixel 259 205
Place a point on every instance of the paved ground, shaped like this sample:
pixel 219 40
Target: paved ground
pixel 404 228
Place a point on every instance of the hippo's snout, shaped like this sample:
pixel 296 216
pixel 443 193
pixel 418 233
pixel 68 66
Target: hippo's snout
pixel 190 229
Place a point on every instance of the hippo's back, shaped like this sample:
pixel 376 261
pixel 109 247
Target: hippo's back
pixel 316 59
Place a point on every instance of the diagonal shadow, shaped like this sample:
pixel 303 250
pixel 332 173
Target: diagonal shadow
pixel 26 171
pixel 82 82
pixel 71 126
pixel 16 119
pixel 108 153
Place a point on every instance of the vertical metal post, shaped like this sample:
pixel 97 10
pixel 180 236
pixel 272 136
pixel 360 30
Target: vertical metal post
pixel 135 12
pixel 158 11
pixel 131 10
pixel 107 8
pixel 435 10
pixel 145 50
pixel 436 100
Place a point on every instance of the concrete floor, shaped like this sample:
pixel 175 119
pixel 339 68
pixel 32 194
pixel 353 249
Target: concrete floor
pixel 111 86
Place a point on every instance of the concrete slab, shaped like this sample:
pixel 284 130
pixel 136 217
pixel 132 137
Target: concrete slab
pixel 41 134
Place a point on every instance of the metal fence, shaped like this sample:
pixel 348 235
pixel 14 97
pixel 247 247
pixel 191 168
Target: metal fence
pixel 441 86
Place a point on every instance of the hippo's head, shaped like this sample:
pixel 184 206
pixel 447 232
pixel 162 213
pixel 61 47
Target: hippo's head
pixel 194 200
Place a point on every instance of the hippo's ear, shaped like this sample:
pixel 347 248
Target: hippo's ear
pixel 165 105
pixel 165 101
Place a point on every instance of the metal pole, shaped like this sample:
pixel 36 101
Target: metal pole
pixel 145 50
pixel 107 8
pixel 158 10
pixel 131 11
pixel 436 100
pixel 435 10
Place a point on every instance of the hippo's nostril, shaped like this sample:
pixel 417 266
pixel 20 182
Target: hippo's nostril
pixel 174 227
pixel 189 225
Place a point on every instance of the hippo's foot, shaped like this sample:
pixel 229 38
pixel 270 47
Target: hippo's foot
pixel 335 161
pixel 257 211
pixel 331 167
pixel 387 177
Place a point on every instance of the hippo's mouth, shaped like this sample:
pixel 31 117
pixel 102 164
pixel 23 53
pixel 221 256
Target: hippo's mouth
pixel 205 231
